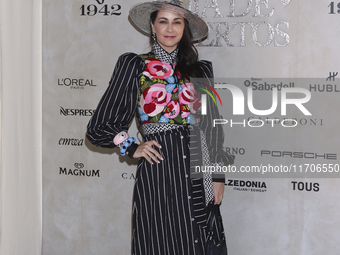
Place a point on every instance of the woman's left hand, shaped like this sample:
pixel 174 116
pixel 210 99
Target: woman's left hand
pixel 218 192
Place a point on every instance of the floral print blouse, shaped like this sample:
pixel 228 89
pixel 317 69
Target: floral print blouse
pixel 164 96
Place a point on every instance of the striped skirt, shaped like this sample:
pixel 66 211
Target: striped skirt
pixel 168 207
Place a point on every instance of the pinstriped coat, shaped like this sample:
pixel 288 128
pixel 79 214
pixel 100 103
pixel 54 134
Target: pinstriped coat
pixel 169 208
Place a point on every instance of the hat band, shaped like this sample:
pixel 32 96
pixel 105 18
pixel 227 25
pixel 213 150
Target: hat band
pixel 174 9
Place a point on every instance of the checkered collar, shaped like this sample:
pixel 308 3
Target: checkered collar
pixel 163 55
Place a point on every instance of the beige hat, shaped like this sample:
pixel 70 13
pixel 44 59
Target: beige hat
pixel 140 16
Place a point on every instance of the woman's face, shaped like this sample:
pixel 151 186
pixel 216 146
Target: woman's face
pixel 169 29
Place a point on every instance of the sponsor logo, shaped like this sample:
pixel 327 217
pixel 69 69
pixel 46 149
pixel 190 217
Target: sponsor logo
pixel 256 84
pixel 100 8
pixel 76 112
pixel 79 171
pixel 71 142
pixel 76 83
pixel 325 87
pixel 299 154
pixel 293 121
pixel 128 176
pixel 332 76
pixel 249 185
pixel 306 186
pixel 236 151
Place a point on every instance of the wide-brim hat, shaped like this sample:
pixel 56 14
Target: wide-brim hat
pixel 140 15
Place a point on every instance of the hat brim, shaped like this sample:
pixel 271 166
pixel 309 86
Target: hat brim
pixel 139 14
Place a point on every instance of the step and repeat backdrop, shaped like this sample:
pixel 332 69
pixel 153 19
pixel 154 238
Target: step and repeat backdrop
pixel 276 64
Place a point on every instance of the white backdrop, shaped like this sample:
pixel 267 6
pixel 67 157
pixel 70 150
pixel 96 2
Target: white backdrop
pixel 249 40
pixel 91 214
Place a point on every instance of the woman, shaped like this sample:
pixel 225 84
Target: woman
pixel 169 208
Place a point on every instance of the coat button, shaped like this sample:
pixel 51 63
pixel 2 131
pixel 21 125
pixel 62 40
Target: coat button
pixel 189 197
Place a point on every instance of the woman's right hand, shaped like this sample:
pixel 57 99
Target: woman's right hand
pixel 148 152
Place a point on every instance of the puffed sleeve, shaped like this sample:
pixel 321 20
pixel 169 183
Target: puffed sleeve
pixel 118 105
pixel 214 135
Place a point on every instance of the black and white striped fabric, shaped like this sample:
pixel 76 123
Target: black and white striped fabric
pixel 150 128
pixel 165 204
pixel 163 211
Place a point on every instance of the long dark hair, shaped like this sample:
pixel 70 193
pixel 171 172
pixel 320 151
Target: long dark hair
pixel 187 64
